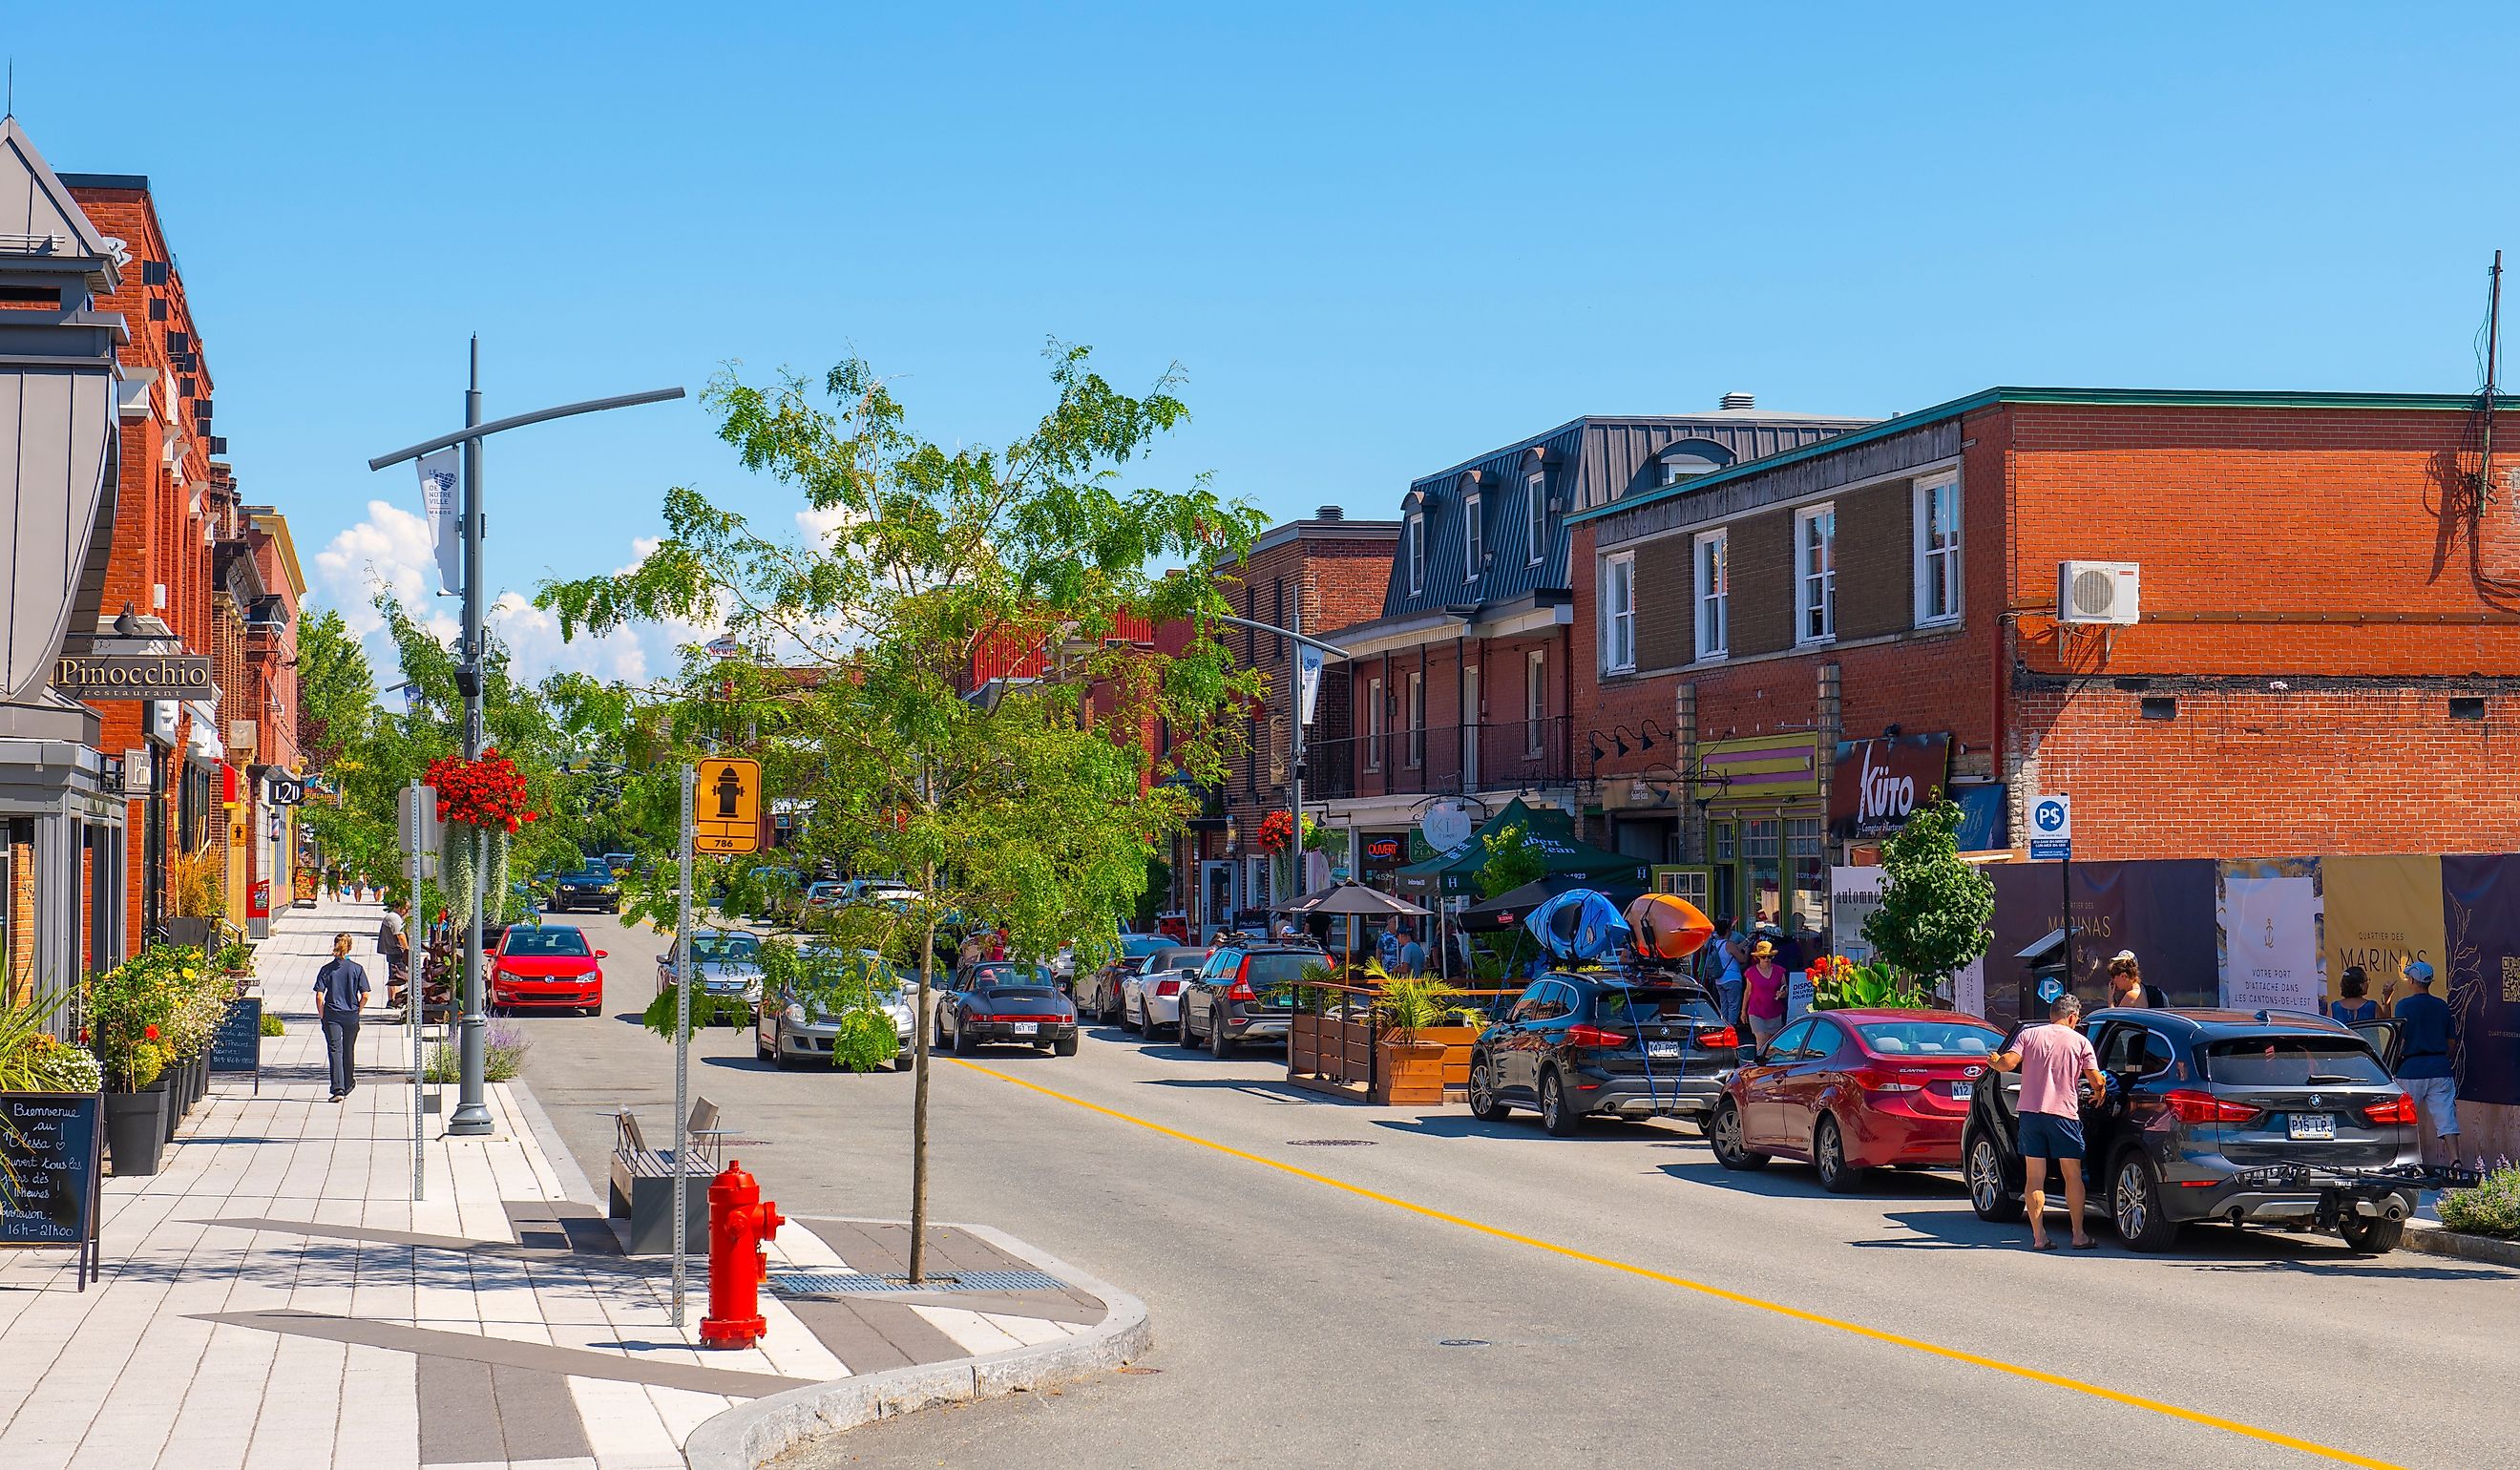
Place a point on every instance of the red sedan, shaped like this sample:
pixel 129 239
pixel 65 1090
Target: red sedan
pixel 553 965
pixel 1854 1090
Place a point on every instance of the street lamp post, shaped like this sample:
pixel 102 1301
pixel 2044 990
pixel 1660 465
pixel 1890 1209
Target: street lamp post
pixel 1294 715
pixel 472 1115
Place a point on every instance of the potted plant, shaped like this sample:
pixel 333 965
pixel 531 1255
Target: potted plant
pixel 193 899
pixel 131 1008
pixel 1410 1070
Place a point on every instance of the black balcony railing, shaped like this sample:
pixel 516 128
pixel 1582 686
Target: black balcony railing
pixel 1444 760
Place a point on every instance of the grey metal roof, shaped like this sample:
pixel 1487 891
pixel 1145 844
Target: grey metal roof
pixel 1594 460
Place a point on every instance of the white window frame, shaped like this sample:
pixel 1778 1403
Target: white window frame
pixel 1374 725
pixel 1938 563
pixel 1815 592
pixel 1474 538
pixel 1415 551
pixel 1710 558
pixel 1535 700
pixel 1416 713
pixel 1536 494
pixel 1619 613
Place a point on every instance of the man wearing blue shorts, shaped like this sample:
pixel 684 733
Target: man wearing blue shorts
pixel 2052 1060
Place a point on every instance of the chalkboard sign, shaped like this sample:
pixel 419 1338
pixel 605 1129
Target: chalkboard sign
pixel 54 1144
pixel 237 1046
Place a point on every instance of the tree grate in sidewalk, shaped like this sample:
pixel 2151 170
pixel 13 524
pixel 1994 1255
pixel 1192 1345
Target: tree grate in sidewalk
pixel 815 1283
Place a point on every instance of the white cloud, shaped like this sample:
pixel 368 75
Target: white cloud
pixel 391 550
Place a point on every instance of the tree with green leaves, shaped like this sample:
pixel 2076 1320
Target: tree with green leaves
pixel 1513 860
pixel 1935 909
pixel 1028 802
pixel 336 691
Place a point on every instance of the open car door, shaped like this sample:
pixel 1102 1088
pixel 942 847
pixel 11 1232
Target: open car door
pixel 2382 1033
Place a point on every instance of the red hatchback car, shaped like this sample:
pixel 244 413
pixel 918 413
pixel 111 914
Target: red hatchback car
pixel 1854 1090
pixel 553 965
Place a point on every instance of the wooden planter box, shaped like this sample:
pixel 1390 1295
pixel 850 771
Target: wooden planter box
pixel 1411 1075
pixel 1456 1040
pixel 1330 1046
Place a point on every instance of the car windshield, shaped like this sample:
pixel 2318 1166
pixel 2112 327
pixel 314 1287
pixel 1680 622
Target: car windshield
pixel 2292 1061
pixel 1139 946
pixel 711 947
pixel 1927 1039
pixel 1651 1007
pixel 1003 976
pixel 544 942
pixel 593 872
pixel 1282 968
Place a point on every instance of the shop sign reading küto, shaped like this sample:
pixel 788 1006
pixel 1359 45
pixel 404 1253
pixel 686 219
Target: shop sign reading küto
pixel 134 676
pixel 1876 783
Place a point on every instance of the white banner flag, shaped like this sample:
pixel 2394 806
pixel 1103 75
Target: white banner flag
pixel 441 506
pixel 1308 681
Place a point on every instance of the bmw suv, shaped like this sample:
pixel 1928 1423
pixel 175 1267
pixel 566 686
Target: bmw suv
pixel 2273 1118
pixel 1580 1046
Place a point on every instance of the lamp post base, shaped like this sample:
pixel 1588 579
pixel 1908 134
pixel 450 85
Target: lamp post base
pixel 470 1122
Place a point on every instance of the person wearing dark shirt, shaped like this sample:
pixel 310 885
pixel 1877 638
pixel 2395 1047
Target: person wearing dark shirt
pixel 341 990
pixel 2426 1027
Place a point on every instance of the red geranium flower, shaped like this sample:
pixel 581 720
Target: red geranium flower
pixel 151 1032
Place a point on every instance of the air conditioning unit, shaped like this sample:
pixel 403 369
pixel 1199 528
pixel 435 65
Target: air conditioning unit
pixel 2099 592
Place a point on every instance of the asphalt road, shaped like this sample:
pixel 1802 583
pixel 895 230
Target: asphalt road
pixel 1612 1299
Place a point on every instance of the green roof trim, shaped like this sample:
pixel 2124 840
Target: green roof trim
pixel 2149 397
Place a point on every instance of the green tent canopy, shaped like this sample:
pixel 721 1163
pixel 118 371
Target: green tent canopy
pixel 1455 870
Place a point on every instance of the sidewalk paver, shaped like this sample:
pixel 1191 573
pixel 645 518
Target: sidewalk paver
pixel 275 1297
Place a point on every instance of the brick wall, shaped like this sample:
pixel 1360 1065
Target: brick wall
pixel 19 977
pixel 1875 561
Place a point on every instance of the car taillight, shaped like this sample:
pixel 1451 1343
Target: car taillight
pixel 1241 989
pixel 1874 1080
pixel 2192 1107
pixel 1583 1035
pixel 2398 1109
pixel 1721 1036
pixel 1168 989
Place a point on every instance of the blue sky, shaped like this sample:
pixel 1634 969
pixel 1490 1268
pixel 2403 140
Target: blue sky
pixel 1378 240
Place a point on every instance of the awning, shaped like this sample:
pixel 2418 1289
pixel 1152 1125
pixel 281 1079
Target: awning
pixel 206 749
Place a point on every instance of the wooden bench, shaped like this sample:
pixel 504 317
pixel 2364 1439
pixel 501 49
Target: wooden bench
pixel 642 1180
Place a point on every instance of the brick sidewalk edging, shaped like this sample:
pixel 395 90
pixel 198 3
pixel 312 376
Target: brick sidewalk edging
pixel 754 1433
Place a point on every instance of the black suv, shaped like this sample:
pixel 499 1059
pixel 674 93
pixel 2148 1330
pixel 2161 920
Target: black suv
pixel 2266 1117
pixel 1575 1045
pixel 1244 992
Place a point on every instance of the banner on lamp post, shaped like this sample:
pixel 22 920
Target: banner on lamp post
pixel 440 476
pixel 1308 682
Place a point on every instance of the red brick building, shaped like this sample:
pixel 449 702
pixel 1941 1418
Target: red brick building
pixel 2326 657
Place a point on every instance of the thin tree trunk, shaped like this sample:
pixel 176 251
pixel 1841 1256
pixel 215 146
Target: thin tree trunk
pixel 925 1028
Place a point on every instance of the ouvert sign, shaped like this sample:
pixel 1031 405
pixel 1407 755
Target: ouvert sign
pixel 134 676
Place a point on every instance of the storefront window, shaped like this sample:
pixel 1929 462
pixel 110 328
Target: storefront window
pixel 1805 845
pixel 1760 874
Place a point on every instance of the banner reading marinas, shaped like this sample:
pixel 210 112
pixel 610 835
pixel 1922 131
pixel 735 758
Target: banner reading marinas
pixel 2480 922
pixel 2382 913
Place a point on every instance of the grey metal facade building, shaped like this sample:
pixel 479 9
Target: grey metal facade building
pixel 66 854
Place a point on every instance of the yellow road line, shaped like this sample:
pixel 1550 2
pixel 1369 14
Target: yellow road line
pixel 1918 1345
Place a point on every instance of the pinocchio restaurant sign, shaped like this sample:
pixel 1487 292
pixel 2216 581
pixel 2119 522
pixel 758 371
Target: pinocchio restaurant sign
pixel 134 676
pixel 1876 784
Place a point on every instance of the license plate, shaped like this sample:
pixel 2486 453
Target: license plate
pixel 2313 1125
pixel 1963 1091
pixel 1028 1028
pixel 1662 1048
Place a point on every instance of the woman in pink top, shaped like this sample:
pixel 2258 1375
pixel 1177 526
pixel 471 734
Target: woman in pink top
pixel 1763 993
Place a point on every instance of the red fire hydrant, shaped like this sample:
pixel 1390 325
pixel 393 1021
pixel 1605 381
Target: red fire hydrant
pixel 739 1220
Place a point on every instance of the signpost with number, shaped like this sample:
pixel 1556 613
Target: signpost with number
pixel 726 809
pixel 721 814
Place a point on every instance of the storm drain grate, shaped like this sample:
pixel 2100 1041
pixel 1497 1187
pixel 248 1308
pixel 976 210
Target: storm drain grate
pixel 1329 1143
pixel 816 1283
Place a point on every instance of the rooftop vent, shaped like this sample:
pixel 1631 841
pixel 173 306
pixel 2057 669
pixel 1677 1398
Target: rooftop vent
pixel 1330 513
pixel 1738 401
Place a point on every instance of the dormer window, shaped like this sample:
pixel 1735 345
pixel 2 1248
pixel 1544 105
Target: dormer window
pixel 1690 458
pixel 1475 535
pixel 1538 496
pixel 1415 551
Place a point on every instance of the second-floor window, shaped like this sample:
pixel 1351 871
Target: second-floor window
pixel 1714 594
pixel 1938 551
pixel 1416 717
pixel 1535 701
pixel 1816 574
pixel 1416 555
pixel 1537 495
pixel 1374 725
pixel 1619 613
pixel 1474 536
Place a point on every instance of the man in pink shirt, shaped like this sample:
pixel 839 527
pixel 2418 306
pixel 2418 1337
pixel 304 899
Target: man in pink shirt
pixel 2052 1060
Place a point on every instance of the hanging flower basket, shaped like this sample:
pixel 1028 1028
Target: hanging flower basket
pixel 483 803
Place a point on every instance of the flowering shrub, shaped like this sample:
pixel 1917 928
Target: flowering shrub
pixel 1840 984
pixel 1276 826
pixel 2492 1208
pixel 148 1011
pixel 489 792
pixel 34 1061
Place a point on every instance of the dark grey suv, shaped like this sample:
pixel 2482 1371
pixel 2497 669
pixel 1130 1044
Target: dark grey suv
pixel 2275 1118
pixel 1580 1046
pixel 1243 993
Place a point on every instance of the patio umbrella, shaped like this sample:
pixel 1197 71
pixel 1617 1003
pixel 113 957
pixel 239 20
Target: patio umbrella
pixel 1351 897
pixel 1579 925
pixel 1506 910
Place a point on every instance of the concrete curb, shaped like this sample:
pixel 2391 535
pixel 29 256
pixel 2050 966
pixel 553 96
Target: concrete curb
pixel 572 1180
pixel 753 1433
pixel 2439 1240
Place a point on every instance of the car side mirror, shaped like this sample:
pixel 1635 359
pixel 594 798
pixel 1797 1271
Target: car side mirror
pixel 603 953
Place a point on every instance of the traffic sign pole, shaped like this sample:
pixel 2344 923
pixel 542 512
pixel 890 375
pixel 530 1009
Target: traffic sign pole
pixel 682 1045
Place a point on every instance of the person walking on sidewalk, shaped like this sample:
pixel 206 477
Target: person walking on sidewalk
pixel 2053 1058
pixel 340 991
pixel 2426 1027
